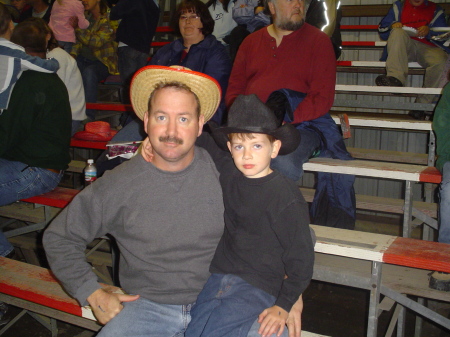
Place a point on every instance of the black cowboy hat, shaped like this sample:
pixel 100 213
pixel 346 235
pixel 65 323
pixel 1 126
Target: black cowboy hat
pixel 249 115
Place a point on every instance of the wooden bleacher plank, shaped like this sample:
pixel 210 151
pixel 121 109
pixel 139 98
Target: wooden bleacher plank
pixel 403 172
pixel 389 90
pixel 389 156
pixel 419 254
pixel 377 64
pixel 59 197
pixel 383 121
pixel 375 10
pixel 381 204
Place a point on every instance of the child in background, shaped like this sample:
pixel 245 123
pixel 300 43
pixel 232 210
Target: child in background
pixel 14 60
pixel 266 235
pixel 66 16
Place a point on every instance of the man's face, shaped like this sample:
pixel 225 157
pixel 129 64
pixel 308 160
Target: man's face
pixel 416 3
pixel 287 14
pixel 172 126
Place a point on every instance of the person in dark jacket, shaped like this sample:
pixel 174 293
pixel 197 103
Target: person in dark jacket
pixel 39 9
pixel 137 27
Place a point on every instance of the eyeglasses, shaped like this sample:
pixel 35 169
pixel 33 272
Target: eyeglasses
pixel 190 17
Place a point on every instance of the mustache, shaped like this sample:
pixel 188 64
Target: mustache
pixel 169 139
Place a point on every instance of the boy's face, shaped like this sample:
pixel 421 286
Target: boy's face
pixel 252 156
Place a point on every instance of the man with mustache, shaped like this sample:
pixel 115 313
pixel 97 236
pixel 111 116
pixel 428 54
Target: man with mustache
pixel 166 216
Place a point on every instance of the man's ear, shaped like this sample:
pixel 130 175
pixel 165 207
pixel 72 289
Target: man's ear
pixel 275 148
pixel 146 121
pixel 271 7
pixel 201 122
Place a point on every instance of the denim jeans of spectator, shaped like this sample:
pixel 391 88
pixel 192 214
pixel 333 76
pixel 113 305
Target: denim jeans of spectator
pixel 67 46
pixel 92 72
pixel 18 181
pixel 5 246
pixel 444 205
pixel 291 165
pixel 146 318
pixel 130 60
pixel 227 306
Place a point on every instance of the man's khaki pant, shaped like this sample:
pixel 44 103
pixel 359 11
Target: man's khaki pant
pixel 402 49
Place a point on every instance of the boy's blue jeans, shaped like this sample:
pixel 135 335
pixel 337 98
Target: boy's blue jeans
pixel 228 306
pixel 444 205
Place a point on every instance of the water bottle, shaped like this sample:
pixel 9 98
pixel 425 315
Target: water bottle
pixel 90 172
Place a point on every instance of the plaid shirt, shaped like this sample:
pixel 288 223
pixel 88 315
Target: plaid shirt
pixel 99 38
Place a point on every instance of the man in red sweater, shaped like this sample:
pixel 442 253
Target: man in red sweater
pixel 408 28
pixel 289 54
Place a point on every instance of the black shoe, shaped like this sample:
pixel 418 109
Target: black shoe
pixel 439 281
pixel 388 81
pixel 419 115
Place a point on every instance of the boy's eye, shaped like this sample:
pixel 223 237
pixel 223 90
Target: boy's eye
pixel 238 147
pixel 257 146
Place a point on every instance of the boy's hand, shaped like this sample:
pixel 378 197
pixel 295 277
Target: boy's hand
pixel 272 321
pixel 397 25
pixel 147 150
pixel 294 321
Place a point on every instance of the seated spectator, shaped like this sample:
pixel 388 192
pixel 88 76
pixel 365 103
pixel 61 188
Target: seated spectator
pixel 65 17
pixel 68 72
pixel 198 50
pixel 38 9
pixel 441 121
pixel 250 16
pixel 407 29
pixel 13 59
pixel 95 50
pixel 138 22
pixel 221 13
pixel 34 130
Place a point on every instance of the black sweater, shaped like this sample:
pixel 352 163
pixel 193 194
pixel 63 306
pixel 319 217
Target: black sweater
pixel 267 234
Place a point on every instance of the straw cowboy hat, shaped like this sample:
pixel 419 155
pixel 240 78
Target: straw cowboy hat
pixel 96 131
pixel 249 115
pixel 144 81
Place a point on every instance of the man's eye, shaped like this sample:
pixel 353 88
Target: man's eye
pixel 160 118
pixel 183 119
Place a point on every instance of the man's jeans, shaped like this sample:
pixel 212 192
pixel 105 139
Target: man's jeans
pixel 18 181
pixel 148 319
pixel 444 205
pixel 291 165
pixel 228 306
pixel 130 60
pixel 92 72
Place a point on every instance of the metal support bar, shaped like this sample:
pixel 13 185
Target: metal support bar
pixel 428 220
pixel 14 320
pixel 416 307
pixel 407 210
pixel 375 281
pixel 393 321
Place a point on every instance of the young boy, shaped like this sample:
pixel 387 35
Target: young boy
pixel 14 60
pixel 266 235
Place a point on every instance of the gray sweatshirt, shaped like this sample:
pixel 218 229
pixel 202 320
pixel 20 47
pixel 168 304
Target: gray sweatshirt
pixel 167 226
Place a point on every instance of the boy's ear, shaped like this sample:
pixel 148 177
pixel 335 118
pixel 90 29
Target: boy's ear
pixel 229 146
pixel 275 148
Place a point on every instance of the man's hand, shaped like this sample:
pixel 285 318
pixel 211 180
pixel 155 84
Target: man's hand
pixel 147 150
pixel 423 31
pixel 272 321
pixel 294 321
pixel 107 305
pixel 397 25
